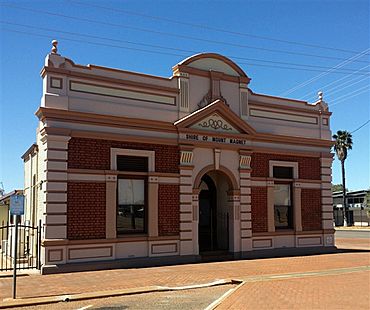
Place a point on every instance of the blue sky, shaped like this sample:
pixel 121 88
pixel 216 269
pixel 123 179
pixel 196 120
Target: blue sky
pixel 341 25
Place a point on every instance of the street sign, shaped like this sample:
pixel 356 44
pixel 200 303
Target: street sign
pixel 16 205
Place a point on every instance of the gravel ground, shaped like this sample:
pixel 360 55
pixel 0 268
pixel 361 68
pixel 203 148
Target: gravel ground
pixel 193 299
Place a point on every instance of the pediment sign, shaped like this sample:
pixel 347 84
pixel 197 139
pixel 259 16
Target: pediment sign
pixel 215 122
pixel 217 117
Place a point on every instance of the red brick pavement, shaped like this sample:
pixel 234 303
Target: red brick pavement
pixel 73 283
pixel 342 291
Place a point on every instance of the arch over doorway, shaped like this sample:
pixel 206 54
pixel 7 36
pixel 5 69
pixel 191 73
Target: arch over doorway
pixel 233 184
pixel 215 210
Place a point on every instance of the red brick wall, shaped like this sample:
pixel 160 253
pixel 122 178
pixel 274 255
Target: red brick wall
pixel 86 211
pixel 308 167
pixel 259 209
pixel 168 209
pixel 86 153
pixel 311 209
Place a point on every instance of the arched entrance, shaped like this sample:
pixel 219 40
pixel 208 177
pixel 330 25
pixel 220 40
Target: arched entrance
pixel 214 212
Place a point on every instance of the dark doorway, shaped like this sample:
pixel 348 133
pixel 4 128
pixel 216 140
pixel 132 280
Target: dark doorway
pixel 207 215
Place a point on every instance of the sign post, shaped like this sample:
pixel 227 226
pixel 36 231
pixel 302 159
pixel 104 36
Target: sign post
pixel 16 209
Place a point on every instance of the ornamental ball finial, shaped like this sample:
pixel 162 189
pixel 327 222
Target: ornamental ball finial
pixel 320 93
pixel 54 49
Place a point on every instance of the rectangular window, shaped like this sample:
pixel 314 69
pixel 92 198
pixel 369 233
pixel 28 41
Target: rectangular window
pixel 283 210
pixel 131 213
pixel 132 163
pixel 283 172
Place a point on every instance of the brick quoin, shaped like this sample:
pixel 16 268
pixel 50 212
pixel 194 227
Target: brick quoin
pixel 308 167
pixel 86 210
pixel 168 209
pixel 311 209
pixel 259 209
pixel 85 153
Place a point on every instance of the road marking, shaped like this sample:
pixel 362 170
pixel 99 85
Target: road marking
pixel 187 287
pixel 219 300
pixel 86 307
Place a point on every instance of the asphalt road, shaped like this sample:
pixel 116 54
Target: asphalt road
pixel 352 234
pixel 193 299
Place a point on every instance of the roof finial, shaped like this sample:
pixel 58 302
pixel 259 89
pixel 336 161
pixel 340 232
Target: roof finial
pixel 54 49
pixel 320 93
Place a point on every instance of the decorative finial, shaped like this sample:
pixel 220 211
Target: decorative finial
pixel 320 93
pixel 54 49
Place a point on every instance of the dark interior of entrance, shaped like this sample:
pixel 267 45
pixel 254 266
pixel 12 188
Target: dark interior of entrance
pixel 213 220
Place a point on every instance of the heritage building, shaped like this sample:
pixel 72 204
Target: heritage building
pixel 138 169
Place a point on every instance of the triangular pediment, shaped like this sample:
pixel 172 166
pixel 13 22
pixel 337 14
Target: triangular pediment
pixel 216 123
pixel 216 117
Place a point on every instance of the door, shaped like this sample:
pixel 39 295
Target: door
pixel 207 228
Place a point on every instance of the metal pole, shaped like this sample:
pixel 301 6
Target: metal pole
pixel 15 257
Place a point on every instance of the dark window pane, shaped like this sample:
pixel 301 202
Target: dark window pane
pixel 132 163
pixel 283 172
pixel 130 218
pixel 282 216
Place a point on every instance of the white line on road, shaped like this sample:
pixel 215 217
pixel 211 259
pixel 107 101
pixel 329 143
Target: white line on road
pixel 86 307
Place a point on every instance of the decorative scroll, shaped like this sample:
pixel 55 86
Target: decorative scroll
pixel 215 124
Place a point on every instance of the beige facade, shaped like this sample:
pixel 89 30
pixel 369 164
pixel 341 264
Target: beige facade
pixel 91 115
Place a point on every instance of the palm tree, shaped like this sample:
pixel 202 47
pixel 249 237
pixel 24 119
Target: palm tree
pixel 343 143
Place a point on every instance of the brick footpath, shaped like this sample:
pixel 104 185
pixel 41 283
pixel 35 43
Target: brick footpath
pixel 73 283
pixel 343 291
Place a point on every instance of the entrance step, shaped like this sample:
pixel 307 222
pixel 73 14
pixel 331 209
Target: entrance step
pixel 216 256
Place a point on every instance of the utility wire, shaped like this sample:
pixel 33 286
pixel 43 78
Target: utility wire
pixel 342 64
pixel 161 46
pixel 350 95
pixel 311 94
pixel 363 125
pixel 342 87
pixel 156 52
pixel 243 34
pixel 172 34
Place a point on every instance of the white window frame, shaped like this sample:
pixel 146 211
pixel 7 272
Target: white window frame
pixel 278 163
pixel 114 152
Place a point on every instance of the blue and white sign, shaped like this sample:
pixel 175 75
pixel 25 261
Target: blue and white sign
pixel 16 205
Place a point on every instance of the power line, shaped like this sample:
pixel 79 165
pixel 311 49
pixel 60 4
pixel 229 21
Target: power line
pixel 310 94
pixel 349 60
pixel 210 28
pixel 363 125
pixel 342 87
pixel 155 52
pixel 356 92
pixel 172 34
pixel 162 47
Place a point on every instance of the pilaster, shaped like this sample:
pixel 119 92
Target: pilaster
pixel 111 206
pixel 53 178
pixel 153 206
pixel 270 206
pixel 188 229
pixel 297 204
pixel 326 198
pixel 245 201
